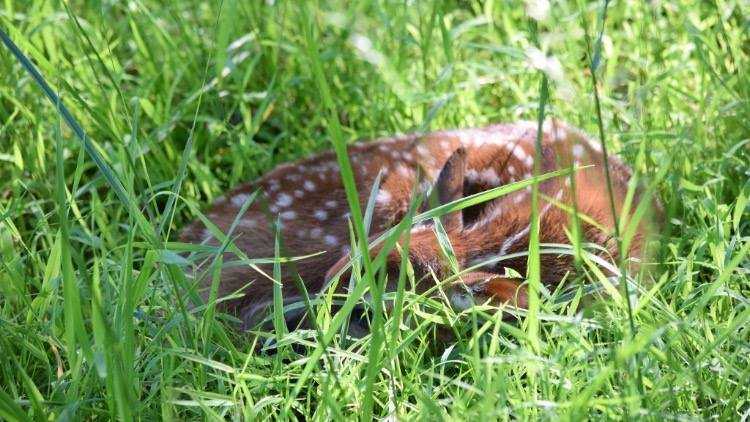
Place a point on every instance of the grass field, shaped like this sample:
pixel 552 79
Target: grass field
pixel 182 100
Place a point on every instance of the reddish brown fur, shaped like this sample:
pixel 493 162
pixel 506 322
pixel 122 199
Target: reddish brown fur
pixel 309 198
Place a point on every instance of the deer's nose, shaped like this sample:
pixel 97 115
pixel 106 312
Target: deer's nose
pixel 480 287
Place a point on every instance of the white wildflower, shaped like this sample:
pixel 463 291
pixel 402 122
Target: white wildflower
pixel 537 9
pixel 547 64
pixel 365 49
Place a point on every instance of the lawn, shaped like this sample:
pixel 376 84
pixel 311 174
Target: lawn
pixel 179 101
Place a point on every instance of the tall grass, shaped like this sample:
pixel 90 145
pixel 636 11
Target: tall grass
pixel 151 110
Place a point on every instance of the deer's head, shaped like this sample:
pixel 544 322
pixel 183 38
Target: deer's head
pixel 429 260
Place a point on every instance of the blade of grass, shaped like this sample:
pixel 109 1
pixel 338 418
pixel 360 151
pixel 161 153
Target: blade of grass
pixel 10 410
pixel 533 263
pixel 110 358
pixel 352 196
pixel 279 323
pixel 593 65
pixel 107 171
pixel 75 331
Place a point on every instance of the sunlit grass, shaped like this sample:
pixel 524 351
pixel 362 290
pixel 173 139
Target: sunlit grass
pixel 172 104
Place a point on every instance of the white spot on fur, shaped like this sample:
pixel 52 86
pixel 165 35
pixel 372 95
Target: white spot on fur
pixel 560 131
pixel 284 200
pixel 511 170
pixel 301 233
pixel 518 152
pixel 513 239
pixel 331 240
pixel 239 199
pixel 309 186
pixel 445 145
pixel 403 170
pixel 407 156
pixel 529 161
pixel 316 232
pixel 547 127
pixel 288 215
pixel 273 186
pixel 578 151
pixel 321 214
pixel 509 242
pixel 593 144
pixel 331 204
pixel 490 176
pixel 383 198
pixel 293 177
pixel 248 223
pixel 273 208
pixel 421 228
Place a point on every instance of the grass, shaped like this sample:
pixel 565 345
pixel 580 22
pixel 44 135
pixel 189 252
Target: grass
pixel 181 101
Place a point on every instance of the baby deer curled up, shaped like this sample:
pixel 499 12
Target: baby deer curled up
pixel 309 201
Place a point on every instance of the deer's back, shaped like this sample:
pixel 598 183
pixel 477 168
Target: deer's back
pixel 308 200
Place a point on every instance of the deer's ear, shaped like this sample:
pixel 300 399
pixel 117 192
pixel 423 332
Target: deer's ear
pixel 450 186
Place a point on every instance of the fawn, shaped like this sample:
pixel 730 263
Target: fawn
pixel 308 199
